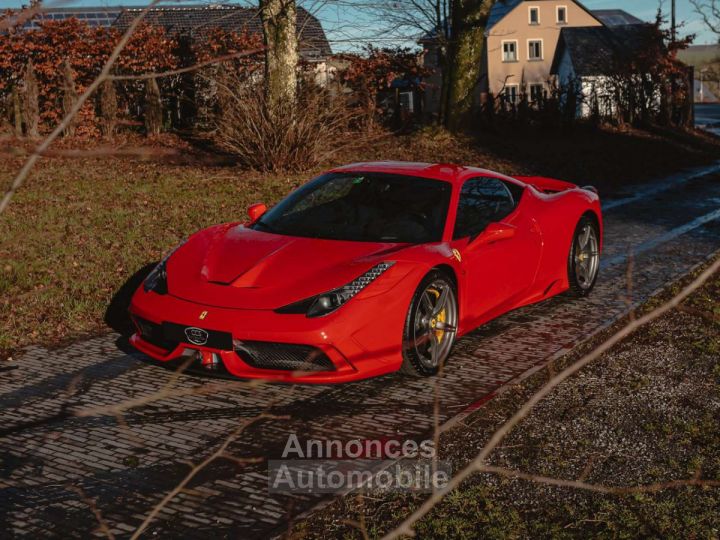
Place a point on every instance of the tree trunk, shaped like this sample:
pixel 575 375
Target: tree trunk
pixel 32 107
pixel 444 87
pixel 153 108
pixel 186 93
pixel 469 18
pixel 17 112
pixel 70 95
pixel 108 108
pixel 279 20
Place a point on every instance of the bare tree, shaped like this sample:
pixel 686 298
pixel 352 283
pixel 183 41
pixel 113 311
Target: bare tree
pixel 31 104
pixel 428 23
pixel 279 20
pixel 70 95
pixel 709 11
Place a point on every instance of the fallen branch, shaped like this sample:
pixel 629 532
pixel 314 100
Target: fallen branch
pixel 179 71
pixel 194 471
pixel 599 488
pixel 94 509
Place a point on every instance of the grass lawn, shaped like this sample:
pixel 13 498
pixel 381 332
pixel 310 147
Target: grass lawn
pixel 645 412
pixel 81 227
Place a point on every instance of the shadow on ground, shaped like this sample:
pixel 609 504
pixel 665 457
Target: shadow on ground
pixel 116 314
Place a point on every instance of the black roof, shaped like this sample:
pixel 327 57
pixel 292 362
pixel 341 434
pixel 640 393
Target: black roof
pixel 594 50
pixel 101 16
pixel 200 19
pixel 499 10
pixel 615 17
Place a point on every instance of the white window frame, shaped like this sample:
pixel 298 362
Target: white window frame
pixel 542 50
pixel 517 50
pixel 557 14
pixel 530 11
pixel 517 92
pixel 530 87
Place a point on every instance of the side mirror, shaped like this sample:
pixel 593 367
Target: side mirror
pixel 495 232
pixel 256 211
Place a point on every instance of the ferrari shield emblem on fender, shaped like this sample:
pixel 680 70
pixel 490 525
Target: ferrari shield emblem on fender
pixel 203 315
pixel 457 255
pixel 196 336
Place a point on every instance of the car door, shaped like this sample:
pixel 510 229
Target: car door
pixel 499 246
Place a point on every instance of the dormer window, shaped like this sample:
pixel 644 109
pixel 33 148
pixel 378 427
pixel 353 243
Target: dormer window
pixel 534 15
pixel 562 15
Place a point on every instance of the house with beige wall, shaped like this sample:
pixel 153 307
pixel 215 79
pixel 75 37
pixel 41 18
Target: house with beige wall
pixel 520 46
pixel 521 38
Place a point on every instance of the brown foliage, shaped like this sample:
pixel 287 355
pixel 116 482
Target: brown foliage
pixel 70 46
pixel 220 42
pixel 70 95
pixel 374 71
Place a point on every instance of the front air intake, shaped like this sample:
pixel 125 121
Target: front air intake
pixel 283 356
pixel 154 334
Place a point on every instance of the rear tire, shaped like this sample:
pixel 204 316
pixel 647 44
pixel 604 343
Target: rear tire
pixel 430 326
pixel 584 259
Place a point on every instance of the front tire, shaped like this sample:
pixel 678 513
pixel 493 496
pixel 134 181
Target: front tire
pixel 584 259
pixel 430 326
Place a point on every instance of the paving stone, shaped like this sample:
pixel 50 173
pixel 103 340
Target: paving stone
pixel 127 470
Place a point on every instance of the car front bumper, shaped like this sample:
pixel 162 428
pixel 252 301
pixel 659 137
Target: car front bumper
pixel 362 339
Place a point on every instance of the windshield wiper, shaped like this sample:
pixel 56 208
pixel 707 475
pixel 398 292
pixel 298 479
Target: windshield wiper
pixel 263 224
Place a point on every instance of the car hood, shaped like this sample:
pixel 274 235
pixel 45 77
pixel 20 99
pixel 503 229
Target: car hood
pixel 236 267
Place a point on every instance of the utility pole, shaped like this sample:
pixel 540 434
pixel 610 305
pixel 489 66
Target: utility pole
pixel 673 23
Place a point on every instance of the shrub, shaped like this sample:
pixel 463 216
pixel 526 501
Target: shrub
pixel 294 138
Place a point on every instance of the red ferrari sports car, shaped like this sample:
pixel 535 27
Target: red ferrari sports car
pixel 368 269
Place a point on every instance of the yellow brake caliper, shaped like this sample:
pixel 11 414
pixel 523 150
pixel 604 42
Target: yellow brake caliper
pixel 439 334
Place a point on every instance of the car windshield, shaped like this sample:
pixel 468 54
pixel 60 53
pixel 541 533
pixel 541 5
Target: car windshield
pixel 363 207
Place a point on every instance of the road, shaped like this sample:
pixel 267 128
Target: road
pixel 125 466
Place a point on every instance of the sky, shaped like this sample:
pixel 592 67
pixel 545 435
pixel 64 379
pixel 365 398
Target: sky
pixel 348 24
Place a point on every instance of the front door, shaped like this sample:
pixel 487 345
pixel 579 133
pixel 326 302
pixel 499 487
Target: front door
pixel 497 273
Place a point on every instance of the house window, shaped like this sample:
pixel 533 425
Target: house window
pixel 407 103
pixel 534 15
pixel 512 93
pixel 562 15
pixel 535 49
pixel 537 92
pixel 509 49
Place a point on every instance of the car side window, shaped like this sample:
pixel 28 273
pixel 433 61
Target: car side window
pixel 482 201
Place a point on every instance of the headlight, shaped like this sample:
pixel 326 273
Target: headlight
pixel 326 303
pixel 157 279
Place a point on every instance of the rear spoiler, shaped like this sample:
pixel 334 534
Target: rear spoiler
pixel 552 185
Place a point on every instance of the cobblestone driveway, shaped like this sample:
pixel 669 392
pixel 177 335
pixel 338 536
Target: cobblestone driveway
pixel 53 463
